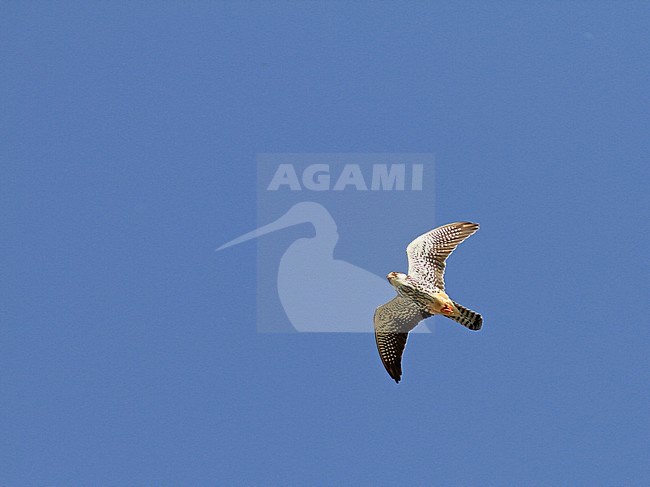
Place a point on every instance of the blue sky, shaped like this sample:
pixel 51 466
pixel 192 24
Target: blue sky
pixel 129 352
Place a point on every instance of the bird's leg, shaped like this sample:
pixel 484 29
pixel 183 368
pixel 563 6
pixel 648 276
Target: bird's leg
pixel 447 310
pixel 441 304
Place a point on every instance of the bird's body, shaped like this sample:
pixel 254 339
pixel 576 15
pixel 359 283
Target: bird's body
pixel 431 298
pixel 421 293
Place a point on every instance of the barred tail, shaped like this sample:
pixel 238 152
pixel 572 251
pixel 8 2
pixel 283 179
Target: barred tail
pixel 468 318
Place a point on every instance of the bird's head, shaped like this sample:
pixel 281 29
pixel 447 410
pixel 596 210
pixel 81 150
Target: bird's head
pixel 396 278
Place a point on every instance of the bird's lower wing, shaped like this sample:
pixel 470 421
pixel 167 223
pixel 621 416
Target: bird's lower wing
pixel 393 321
pixel 428 252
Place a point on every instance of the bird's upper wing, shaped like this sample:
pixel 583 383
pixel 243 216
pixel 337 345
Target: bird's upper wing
pixel 428 252
pixel 393 321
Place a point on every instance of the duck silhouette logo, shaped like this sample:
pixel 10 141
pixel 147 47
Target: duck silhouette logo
pixel 316 291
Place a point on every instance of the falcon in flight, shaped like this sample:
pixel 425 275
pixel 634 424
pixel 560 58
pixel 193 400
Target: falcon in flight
pixel 421 293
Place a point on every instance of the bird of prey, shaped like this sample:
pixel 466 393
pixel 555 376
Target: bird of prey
pixel 421 293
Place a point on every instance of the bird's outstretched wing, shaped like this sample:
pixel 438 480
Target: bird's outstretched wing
pixel 393 321
pixel 428 252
